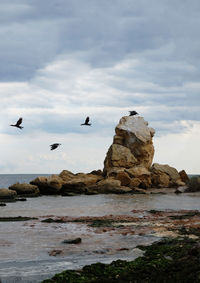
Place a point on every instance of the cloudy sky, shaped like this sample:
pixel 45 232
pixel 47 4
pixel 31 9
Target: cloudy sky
pixel 63 60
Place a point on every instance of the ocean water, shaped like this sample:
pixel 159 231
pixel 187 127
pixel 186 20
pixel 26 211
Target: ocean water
pixel 25 246
pixel 7 180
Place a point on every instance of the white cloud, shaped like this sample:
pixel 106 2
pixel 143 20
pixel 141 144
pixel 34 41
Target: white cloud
pixel 63 61
pixel 180 150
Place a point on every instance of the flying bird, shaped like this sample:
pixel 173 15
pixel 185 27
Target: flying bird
pixel 54 145
pixel 132 113
pixel 18 124
pixel 86 123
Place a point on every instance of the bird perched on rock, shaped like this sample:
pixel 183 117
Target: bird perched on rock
pixel 54 145
pixel 86 123
pixel 132 113
pixel 18 124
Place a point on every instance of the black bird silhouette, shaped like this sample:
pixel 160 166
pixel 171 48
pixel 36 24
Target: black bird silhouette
pixel 86 122
pixel 18 124
pixel 54 145
pixel 132 113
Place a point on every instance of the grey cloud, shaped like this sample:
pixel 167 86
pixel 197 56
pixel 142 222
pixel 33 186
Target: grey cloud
pixel 135 54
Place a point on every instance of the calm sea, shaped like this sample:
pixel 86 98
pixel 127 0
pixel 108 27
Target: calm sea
pixel 7 180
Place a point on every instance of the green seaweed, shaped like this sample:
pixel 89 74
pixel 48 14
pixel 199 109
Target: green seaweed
pixel 189 214
pixel 167 261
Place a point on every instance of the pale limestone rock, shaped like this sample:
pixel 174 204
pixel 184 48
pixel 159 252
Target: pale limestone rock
pixel 180 183
pixel 110 182
pixel 119 156
pixel 135 182
pixel 55 182
pixel 66 175
pixel 124 178
pixel 48 185
pixel 160 180
pixel 171 171
pixel 132 145
pixel 80 182
pixel 138 171
pixel 134 128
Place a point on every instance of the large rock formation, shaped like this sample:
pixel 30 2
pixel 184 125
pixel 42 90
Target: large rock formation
pixel 129 158
pixel 131 154
pixel 127 167
pixel 132 145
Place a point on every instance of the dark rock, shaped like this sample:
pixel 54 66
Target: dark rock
pixel 97 172
pixel 2 204
pixel 193 185
pixel 17 218
pixel 72 241
pixel 184 176
pixel 21 199
pixel 55 252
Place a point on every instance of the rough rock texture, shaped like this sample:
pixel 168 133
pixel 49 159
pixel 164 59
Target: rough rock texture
pixel 184 177
pixel 127 167
pixel 25 189
pixel 66 175
pixel 165 176
pixel 124 178
pixel 132 145
pixel 79 183
pixel 7 194
pixel 48 185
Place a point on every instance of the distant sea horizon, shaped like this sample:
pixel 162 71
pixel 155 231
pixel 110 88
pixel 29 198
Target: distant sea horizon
pixel 7 180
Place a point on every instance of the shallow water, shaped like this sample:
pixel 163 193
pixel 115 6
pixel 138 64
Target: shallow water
pixel 25 246
pixel 98 205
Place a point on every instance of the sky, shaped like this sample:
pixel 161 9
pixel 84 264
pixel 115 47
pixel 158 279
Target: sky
pixel 64 60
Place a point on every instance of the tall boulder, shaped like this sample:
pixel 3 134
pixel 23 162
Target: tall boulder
pixel 132 145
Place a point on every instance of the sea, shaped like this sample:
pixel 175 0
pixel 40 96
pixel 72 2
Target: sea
pixel 7 180
pixel 25 246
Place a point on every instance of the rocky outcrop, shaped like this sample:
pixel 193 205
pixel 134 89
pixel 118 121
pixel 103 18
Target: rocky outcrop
pixel 130 156
pixel 165 176
pixel 132 145
pixel 48 185
pixel 184 177
pixel 25 189
pixel 127 167
pixel 6 194
pixel 79 183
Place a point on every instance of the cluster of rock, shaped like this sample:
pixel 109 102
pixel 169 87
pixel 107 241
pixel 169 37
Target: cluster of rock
pixel 127 168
